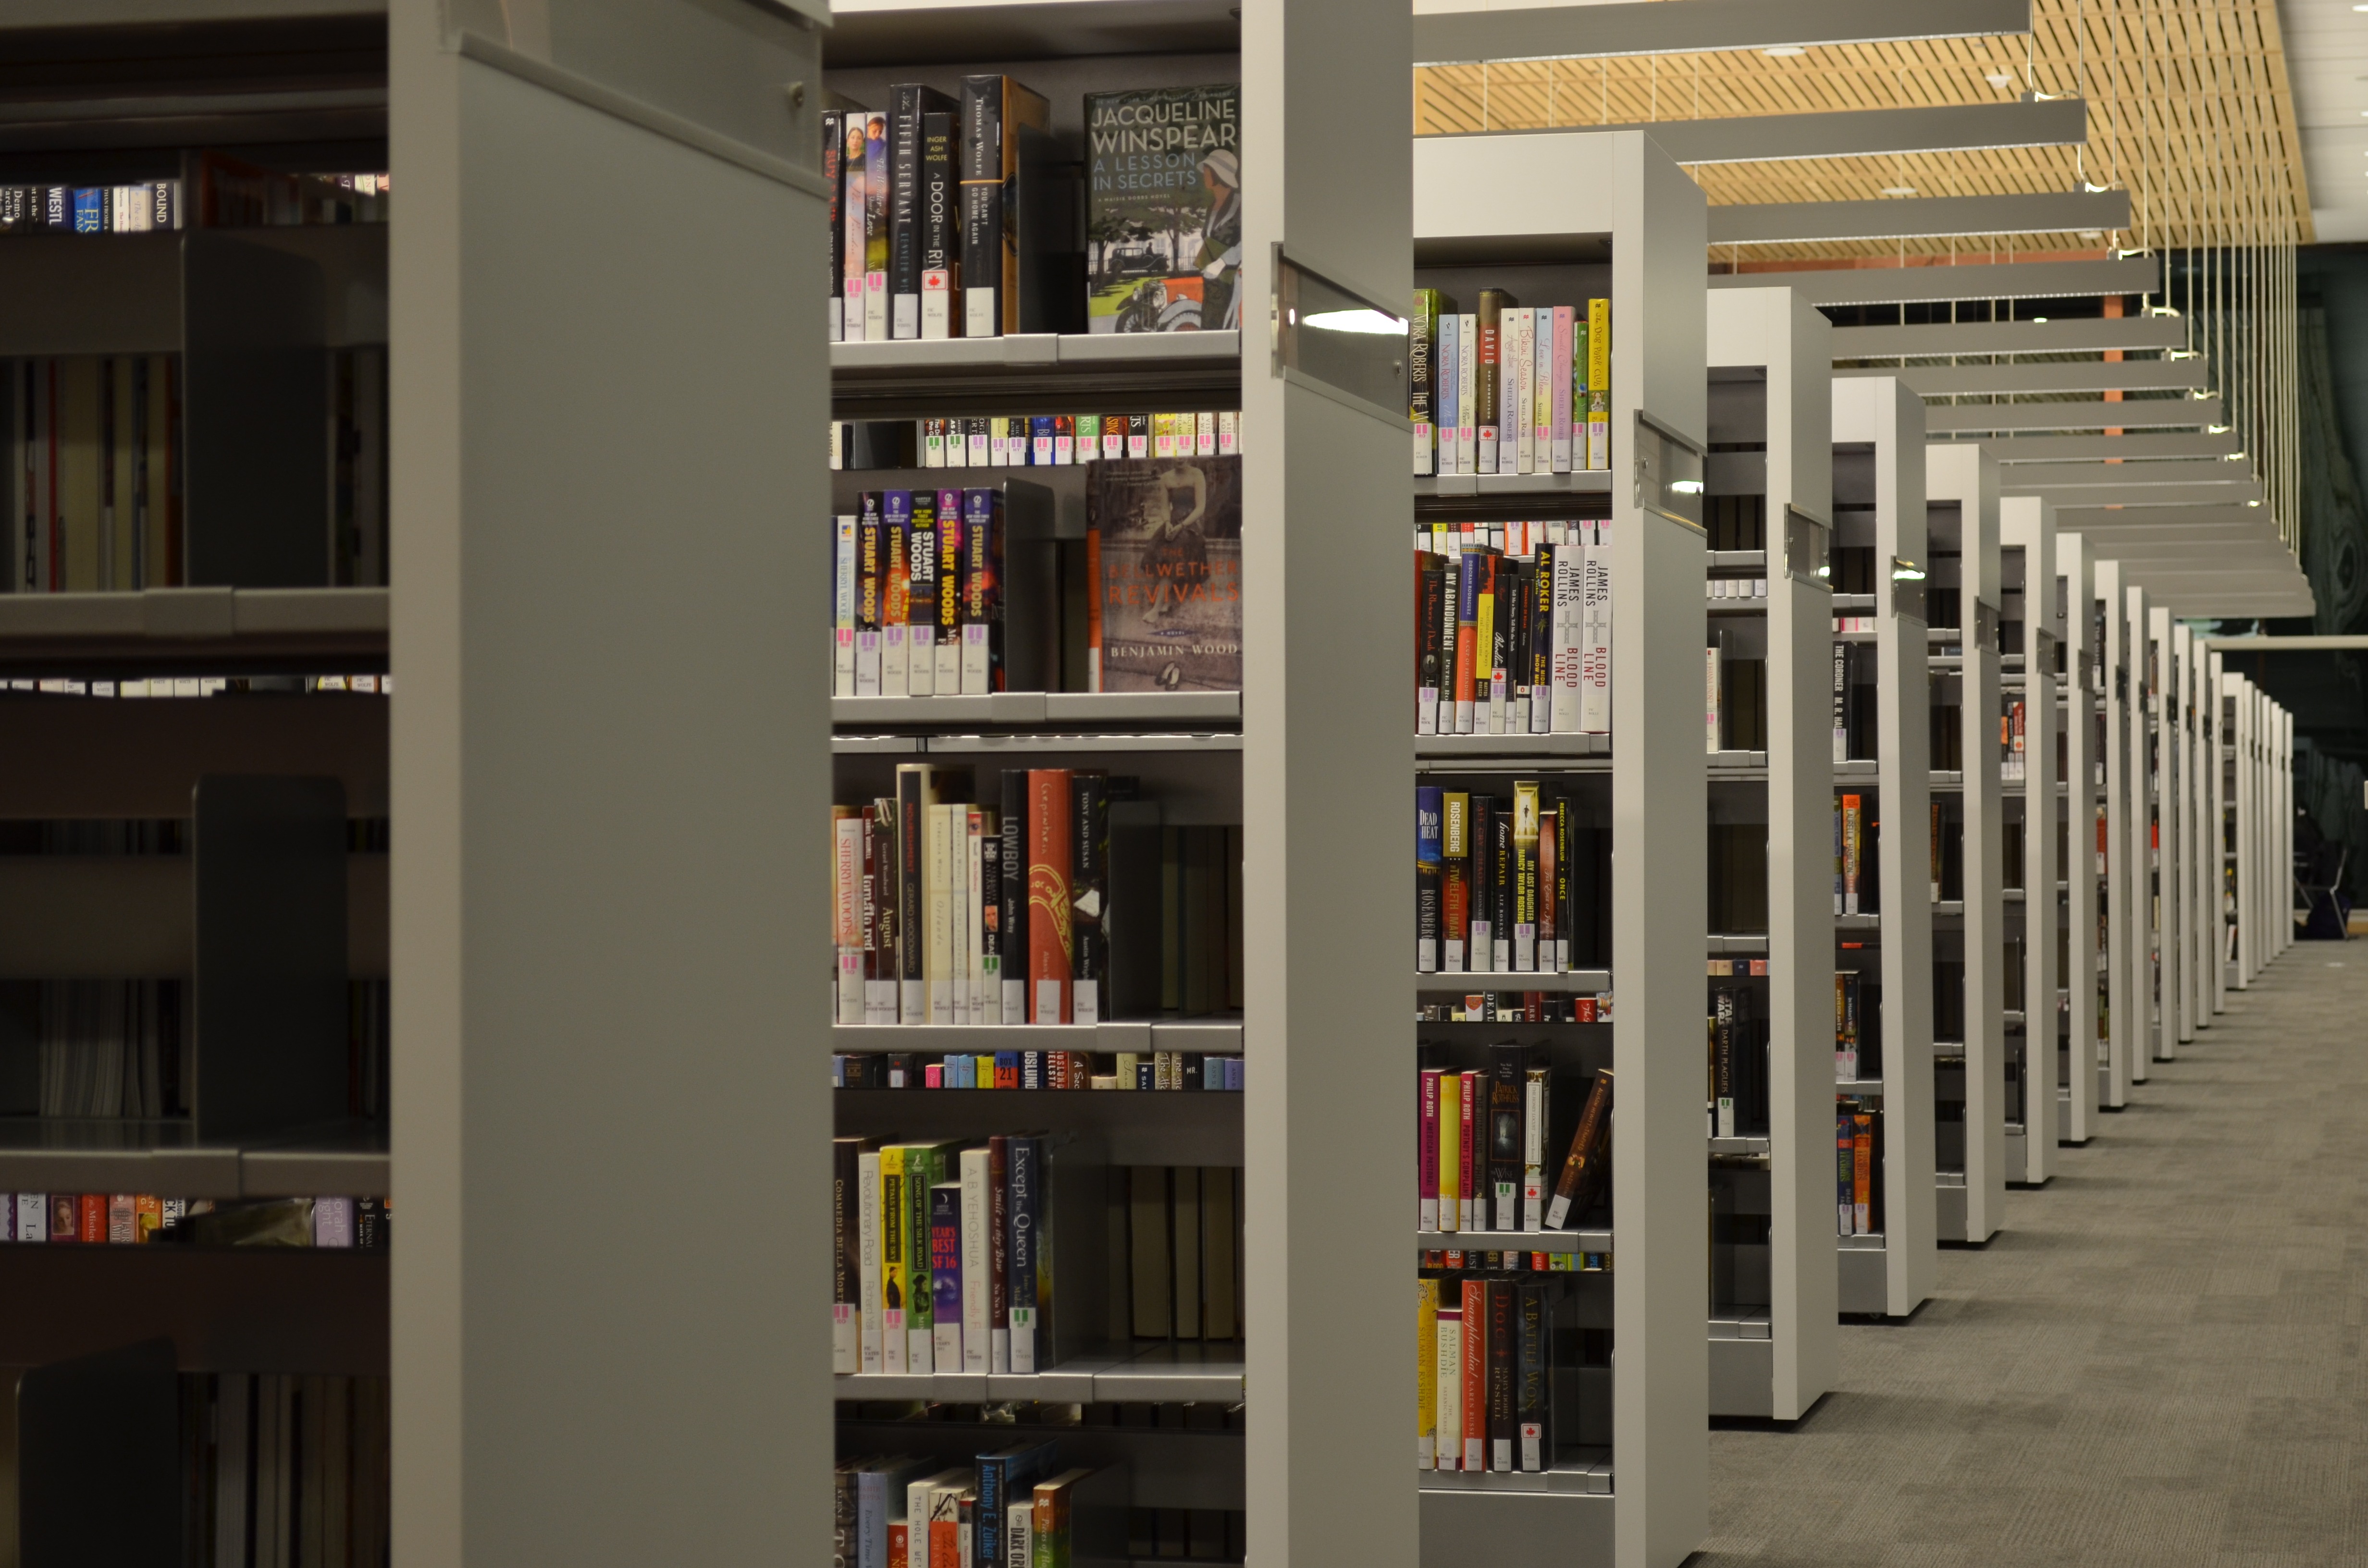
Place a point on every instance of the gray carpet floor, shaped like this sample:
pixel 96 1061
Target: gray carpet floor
pixel 2159 1360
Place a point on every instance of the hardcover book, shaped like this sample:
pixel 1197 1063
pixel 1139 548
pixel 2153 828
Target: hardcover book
pixel 1163 549
pixel 1164 209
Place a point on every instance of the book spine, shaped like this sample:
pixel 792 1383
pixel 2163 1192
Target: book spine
pixel 1425 1162
pixel 896 593
pixel 869 1276
pixel 1598 383
pixel 1012 887
pixel 915 798
pixel 1550 935
pixel 1502 1429
pixel 1451 1151
pixel 1050 938
pixel 847 912
pixel 940 220
pixel 846 1255
pixel 1422 393
pixel 1565 707
pixel 1504 882
pixel 1455 878
pixel 1851 854
pixel 1089 893
pixel 1467 394
pixel 1524 383
pixel 982 206
pixel 870 583
pixel 1845 1171
pixel 1507 1086
pixel 1470 678
pixel 982 608
pixel 986 985
pixel 1429 578
pixel 1558 390
pixel 1582 1169
pixel 1535 1104
pixel 894 1223
pixel 947 1212
pixel 1709 699
pixel 1479 932
pixel 1471 1172
pixel 1425 1379
pixel 1863 1173
pixel 939 830
pixel 947 645
pixel 970 907
pixel 1525 878
pixel 1487 377
pixel 834 179
pixel 1447 1378
pixel 977 1260
pixel 924 1172
pixel 1723 1063
pixel 1028 1273
pixel 877 185
pixel 904 211
pixel 924 566
pixel 1474 1401
pixel 1446 359
pixel 1428 830
pixel 1595 704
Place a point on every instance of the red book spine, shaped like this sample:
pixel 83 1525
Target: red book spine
pixel 1426 1159
pixel 1048 896
pixel 92 1208
pixel 1476 1375
pixel 1468 1179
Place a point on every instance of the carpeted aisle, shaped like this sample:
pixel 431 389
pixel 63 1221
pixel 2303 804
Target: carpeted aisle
pixel 2158 1362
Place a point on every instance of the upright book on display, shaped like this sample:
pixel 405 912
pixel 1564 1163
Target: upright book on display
pixel 1164 552
pixel 1164 209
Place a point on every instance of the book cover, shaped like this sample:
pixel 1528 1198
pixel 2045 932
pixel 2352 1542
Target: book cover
pixel 1164 538
pixel 1507 1088
pixel 877 178
pixel 1164 209
pixel 946 1276
pixel 994 110
pixel 975 1257
pixel 1025 1207
pixel 1428 827
pixel 1426 1159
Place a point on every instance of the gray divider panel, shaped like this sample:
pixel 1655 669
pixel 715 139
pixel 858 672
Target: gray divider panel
pixel 98 1460
pixel 269 872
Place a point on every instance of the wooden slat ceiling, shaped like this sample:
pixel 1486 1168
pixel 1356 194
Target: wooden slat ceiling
pixel 2189 111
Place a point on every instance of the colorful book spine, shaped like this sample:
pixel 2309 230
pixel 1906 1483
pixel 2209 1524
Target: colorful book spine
pixel 1050 938
pixel 1598 383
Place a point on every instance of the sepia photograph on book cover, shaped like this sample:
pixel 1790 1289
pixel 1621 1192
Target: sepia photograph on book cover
pixel 1168 573
pixel 1164 209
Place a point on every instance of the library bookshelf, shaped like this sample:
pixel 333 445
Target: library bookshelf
pixel 1969 940
pixel 1502 211
pixel 2212 890
pixel 2144 828
pixel 2031 634
pixel 2118 679
pixel 1880 457
pixel 2200 763
pixel 1769 495
pixel 2081 870
pixel 2167 640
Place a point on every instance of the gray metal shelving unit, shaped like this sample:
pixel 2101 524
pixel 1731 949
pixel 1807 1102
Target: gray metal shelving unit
pixel 2079 707
pixel 2029 802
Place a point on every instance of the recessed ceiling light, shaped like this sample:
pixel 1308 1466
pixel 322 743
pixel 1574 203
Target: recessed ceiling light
pixel 1899 190
pixel 1999 78
pixel 1786 51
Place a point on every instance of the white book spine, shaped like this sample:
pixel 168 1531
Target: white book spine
pixel 867 1259
pixel 875 306
pixel 1020 1536
pixel 842 637
pixel 977 663
pixel 1569 588
pixel 1533 1151
pixel 948 651
pixel 1467 349
pixel 974 920
pixel 938 931
pixel 851 312
pixel 920 660
pixel 1595 717
pixel 979 317
pixel 1542 384
pixel 1564 324
pixel 905 317
pixel 1229 433
pixel 937 303
pixel 1518 381
pixel 977 1267
pixel 1451 1389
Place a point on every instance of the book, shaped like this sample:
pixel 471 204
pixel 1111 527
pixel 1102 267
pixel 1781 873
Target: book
pixel 975 1259
pixel 1586 1168
pixel 1051 937
pixel 1088 894
pixel 1426 1431
pixel 994 110
pixel 1507 1091
pixel 946 1303
pixel 1448 1381
pixel 1472 1400
pixel 878 176
pixel 1164 209
pixel 1424 341
pixel 1532 1376
pixel 910 103
pixel 1165 562
pixel 1429 823
pixel 1598 384
pixel 1495 304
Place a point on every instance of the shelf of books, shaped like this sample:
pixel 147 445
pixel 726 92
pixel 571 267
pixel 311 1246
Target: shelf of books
pixel 1885 900
pixel 2168 783
pixel 2031 827
pixel 1059 541
pixel 1768 506
pixel 2079 717
pixel 1969 955
pixel 195 1169
pixel 2117 897
pixel 1560 341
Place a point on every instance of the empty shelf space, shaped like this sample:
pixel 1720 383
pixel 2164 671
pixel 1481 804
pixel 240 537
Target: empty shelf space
pixel 212 632
pixel 111 917
pixel 103 757
pixel 1157 709
pixel 1586 981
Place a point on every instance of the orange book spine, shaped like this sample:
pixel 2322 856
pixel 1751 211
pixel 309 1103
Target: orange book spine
pixel 1862 1174
pixel 1049 917
pixel 92 1211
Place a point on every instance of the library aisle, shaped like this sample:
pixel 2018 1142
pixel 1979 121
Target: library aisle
pixel 2157 1361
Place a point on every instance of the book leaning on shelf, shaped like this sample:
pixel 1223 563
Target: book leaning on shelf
pixel 1513 630
pixel 1509 388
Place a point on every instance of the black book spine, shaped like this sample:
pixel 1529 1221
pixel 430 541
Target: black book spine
pixel 834 127
pixel 1532 1380
pixel 1501 887
pixel 1089 893
pixel 912 800
pixel 1507 1088
pixel 1431 579
pixel 982 206
pixel 904 211
pixel 940 215
pixel 1501 1424
pixel 1724 1085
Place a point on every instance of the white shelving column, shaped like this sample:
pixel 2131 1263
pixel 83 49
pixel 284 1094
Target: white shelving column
pixel 2027 558
pixel 2075 590
pixel 2146 860
pixel 2241 802
pixel 1962 509
pixel 1322 92
pixel 2122 903
pixel 2220 761
pixel 1879 493
pixel 1510 200
pixel 596 893
pixel 2282 865
pixel 1770 357
pixel 2168 791
pixel 2194 797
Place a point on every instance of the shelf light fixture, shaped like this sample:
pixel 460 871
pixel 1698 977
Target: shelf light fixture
pixel 1787 51
pixel 1367 320
pixel 1687 486
pixel 2215 429
pixel 1904 570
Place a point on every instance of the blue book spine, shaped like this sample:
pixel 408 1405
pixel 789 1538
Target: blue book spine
pixel 89 210
pixel 1024 1214
pixel 1040 440
pixel 945 1252
pixel 1443 378
pixel 1429 808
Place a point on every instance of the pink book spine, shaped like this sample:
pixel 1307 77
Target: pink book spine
pixel 1562 317
pixel 1468 1191
pixel 1426 1176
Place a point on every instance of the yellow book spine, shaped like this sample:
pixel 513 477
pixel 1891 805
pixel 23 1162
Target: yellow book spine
pixel 1599 345
pixel 1426 1374
pixel 1450 1152
pixel 895 1222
